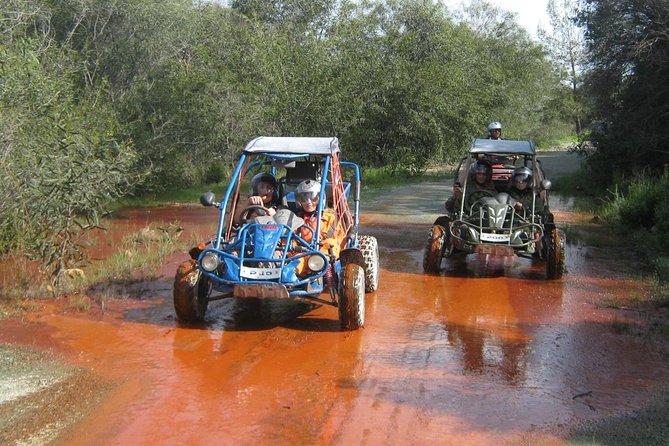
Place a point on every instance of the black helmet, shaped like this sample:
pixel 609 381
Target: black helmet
pixel 481 166
pixel 522 174
pixel 262 177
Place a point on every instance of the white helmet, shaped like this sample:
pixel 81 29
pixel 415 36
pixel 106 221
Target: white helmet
pixel 308 189
pixel 495 125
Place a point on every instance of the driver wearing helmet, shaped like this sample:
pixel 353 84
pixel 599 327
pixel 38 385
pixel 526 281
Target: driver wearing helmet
pixel 307 197
pixel 481 180
pixel 520 189
pixel 495 130
pixel 263 193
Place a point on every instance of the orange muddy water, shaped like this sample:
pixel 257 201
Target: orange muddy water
pixel 486 352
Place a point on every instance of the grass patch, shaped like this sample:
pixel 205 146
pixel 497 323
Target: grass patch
pixel 139 253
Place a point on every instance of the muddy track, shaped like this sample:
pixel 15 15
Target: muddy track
pixel 483 352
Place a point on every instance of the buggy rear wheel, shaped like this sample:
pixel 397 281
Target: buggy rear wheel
pixel 191 292
pixel 434 250
pixel 555 254
pixel 352 297
pixel 370 252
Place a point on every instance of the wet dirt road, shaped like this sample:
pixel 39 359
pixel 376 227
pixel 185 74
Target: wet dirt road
pixel 483 353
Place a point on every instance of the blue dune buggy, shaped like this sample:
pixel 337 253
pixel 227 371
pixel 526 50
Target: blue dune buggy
pixel 257 255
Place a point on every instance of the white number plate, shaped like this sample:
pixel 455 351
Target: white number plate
pixel 494 237
pixel 260 273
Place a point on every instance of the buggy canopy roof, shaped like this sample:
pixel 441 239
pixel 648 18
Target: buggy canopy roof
pixel 502 146
pixel 294 145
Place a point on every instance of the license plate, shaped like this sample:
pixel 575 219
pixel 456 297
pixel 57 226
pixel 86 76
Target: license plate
pixel 494 237
pixel 260 273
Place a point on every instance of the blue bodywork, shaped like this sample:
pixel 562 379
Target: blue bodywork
pixel 263 254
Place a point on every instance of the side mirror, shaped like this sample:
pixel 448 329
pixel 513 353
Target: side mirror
pixel 546 184
pixel 207 199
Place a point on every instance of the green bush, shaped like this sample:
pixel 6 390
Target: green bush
pixel 215 173
pixel 641 202
pixel 644 210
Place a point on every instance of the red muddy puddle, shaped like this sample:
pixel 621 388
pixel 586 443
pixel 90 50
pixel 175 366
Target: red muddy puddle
pixel 487 352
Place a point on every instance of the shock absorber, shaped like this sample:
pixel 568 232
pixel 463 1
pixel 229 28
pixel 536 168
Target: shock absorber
pixel 329 277
pixel 330 280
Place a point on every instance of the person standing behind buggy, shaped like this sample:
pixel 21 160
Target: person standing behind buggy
pixel 521 189
pixel 495 130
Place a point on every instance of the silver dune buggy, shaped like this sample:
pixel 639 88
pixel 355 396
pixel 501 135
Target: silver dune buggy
pixel 263 256
pixel 488 222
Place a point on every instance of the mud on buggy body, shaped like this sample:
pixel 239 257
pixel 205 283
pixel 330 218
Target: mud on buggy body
pixel 488 222
pixel 265 257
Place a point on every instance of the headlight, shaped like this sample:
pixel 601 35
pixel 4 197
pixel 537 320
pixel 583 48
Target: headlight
pixel 316 263
pixel 210 262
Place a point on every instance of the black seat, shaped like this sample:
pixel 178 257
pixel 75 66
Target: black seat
pixel 303 170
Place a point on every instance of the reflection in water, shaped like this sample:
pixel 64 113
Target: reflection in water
pixel 484 352
pixel 275 386
pixel 491 321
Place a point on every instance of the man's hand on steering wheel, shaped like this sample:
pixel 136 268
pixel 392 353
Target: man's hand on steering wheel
pixel 258 209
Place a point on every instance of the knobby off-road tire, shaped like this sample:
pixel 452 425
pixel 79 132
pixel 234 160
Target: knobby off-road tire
pixel 555 254
pixel 191 292
pixel 434 250
pixel 370 252
pixel 352 297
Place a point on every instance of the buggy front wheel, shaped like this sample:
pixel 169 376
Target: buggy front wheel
pixel 352 297
pixel 434 250
pixel 191 292
pixel 555 254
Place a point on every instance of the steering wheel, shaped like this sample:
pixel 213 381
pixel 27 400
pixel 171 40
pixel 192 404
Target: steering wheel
pixel 261 210
pixel 478 194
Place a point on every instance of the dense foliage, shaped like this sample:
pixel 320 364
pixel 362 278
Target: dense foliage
pixel 101 98
pixel 628 55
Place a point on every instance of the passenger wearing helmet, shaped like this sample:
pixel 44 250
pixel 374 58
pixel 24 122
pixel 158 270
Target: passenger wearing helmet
pixel 307 197
pixel 263 193
pixel 495 130
pixel 520 189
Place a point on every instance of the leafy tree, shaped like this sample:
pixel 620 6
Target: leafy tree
pixel 565 44
pixel 61 161
pixel 100 97
pixel 628 49
pixel 514 77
